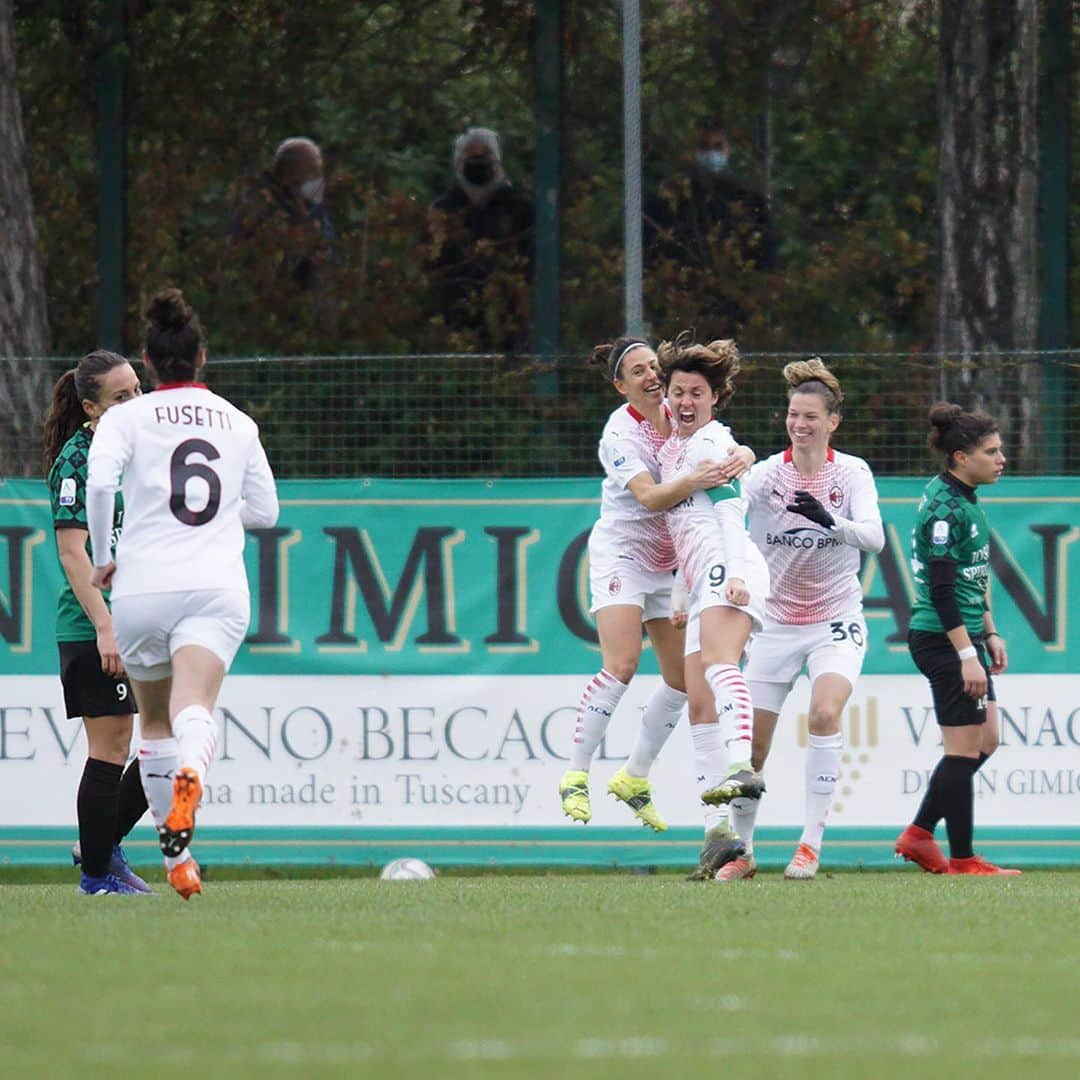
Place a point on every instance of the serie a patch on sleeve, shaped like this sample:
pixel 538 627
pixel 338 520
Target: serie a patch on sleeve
pixel 939 535
pixel 67 491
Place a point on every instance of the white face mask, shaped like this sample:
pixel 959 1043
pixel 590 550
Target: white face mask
pixel 313 190
pixel 714 161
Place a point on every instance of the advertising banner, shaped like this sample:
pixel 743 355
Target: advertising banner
pixel 417 652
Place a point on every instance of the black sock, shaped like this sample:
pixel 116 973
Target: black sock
pixel 132 802
pixel 930 809
pixel 96 805
pixel 958 803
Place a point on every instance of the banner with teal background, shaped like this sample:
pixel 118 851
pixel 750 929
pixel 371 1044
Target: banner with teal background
pixel 411 577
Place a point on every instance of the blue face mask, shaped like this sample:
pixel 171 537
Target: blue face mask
pixel 714 161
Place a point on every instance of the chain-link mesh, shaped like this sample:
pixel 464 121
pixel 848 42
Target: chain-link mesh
pixel 443 415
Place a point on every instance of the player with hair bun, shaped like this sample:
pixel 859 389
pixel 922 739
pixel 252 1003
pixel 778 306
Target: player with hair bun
pixel 952 631
pixel 110 799
pixel 193 474
pixel 812 511
pixel 631 565
pixel 728 583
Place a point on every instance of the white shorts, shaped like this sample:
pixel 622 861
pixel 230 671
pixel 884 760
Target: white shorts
pixel 151 627
pixel 778 653
pixel 621 581
pixel 707 595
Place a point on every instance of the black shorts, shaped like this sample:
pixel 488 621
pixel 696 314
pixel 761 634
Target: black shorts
pixel 88 691
pixel 936 658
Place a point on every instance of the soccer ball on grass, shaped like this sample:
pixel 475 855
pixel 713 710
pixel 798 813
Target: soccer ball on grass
pixel 407 870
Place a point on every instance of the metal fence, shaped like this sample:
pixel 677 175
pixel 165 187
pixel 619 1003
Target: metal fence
pixel 490 416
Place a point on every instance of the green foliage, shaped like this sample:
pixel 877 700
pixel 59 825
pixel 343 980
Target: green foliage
pixel 829 105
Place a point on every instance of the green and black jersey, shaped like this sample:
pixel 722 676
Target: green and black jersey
pixel 67 492
pixel 950 525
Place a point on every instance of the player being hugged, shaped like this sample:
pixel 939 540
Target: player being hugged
pixel 952 631
pixel 631 564
pixel 728 584
pixel 812 512
pixel 110 799
pixel 193 475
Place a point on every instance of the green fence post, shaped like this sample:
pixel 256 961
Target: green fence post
pixel 548 117
pixel 111 177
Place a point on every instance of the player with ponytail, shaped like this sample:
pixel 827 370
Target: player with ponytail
pixel 110 799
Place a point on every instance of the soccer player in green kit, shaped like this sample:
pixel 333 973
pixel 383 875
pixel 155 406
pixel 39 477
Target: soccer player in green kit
pixel 110 799
pixel 952 631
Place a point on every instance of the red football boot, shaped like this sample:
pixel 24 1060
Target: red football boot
pixel 918 846
pixel 977 865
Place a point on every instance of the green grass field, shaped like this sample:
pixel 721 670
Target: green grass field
pixel 853 975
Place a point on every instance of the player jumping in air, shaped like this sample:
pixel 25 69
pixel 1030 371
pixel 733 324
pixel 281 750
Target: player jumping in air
pixel 631 561
pixel 728 583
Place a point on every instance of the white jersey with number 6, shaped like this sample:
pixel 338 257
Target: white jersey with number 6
pixel 193 474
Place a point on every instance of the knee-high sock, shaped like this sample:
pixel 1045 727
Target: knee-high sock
pixel 197 736
pixel 99 791
pixel 958 802
pixel 658 721
pixel 930 810
pixel 710 766
pixel 132 802
pixel 822 766
pixel 158 761
pixel 598 700
pixel 733 709
pixel 744 819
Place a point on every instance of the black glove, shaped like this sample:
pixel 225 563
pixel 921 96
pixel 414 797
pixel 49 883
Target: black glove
pixel 809 507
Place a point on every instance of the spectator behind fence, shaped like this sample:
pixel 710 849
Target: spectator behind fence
pixel 481 248
pixel 283 218
pixel 705 228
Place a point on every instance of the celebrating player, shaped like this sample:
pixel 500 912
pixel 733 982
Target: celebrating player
pixel 728 584
pixel 631 559
pixel 193 475
pixel 812 511
pixel 110 799
pixel 950 632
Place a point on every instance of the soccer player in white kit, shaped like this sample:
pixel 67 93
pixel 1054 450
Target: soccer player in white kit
pixel 728 584
pixel 631 564
pixel 193 475
pixel 813 510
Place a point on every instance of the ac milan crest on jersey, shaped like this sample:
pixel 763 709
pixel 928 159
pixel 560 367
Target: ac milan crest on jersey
pixel 614 585
pixel 814 572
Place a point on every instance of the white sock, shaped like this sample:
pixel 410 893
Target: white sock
pixel 196 733
pixel 734 711
pixel 598 701
pixel 658 721
pixel 744 818
pixel 822 765
pixel 158 761
pixel 710 767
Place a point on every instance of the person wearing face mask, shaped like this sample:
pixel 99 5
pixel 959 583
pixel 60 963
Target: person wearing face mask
pixel 283 213
pixel 481 248
pixel 707 226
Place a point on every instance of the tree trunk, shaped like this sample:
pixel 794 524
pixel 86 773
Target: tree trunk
pixel 24 328
pixel 988 176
